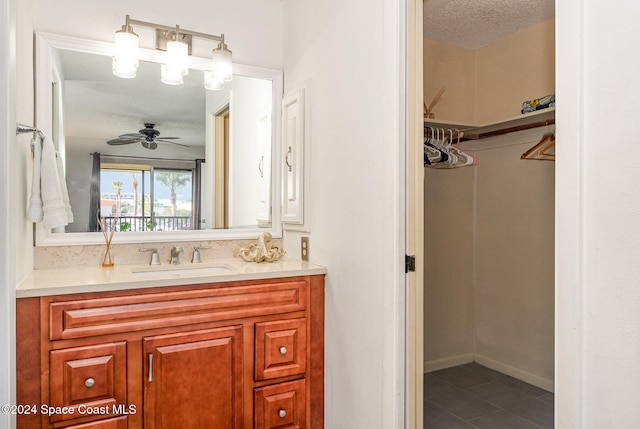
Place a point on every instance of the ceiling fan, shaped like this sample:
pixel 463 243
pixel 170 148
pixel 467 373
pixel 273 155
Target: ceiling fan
pixel 147 137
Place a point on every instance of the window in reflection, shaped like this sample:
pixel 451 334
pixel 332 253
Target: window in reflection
pixel 140 197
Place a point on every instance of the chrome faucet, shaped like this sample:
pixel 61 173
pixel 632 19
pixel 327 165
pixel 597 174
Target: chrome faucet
pixel 155 259
pixel 196 254
pixel 175 254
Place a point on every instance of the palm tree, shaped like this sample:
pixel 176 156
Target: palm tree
pixel 134 183
pixel 173 181
pixel 117 187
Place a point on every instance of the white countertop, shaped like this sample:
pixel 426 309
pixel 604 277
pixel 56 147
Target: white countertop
pixel 121 277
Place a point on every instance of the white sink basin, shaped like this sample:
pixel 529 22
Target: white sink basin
pixel 165 271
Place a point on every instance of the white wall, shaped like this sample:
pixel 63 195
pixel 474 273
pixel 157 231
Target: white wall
pixel 16 256
pixel 347 51
pixel 598 206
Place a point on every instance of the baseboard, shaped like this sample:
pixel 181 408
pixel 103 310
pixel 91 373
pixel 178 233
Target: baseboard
pixel 525 376
pixel 435 365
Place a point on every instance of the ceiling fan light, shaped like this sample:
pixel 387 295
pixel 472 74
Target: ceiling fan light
pixel 221 63
pixel 125 58
pixel 212 82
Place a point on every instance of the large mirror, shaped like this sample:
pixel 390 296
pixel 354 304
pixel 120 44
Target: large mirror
pixel 158 162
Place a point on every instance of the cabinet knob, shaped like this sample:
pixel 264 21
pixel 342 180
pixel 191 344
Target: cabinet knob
pixel 89 382
pixel 283 350
pixel 282 414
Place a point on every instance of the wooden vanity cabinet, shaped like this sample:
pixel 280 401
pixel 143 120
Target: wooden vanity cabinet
pixel 236 355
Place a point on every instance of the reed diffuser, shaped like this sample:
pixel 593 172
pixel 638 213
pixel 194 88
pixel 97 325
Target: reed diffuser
pixel 107 259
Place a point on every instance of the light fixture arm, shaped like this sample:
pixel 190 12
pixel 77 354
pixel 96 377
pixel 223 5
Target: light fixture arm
pixel 129 21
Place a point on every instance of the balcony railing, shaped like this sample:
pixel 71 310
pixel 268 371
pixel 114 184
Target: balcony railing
pixel 150 223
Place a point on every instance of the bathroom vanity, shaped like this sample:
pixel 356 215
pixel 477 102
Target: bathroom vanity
pixel 130 347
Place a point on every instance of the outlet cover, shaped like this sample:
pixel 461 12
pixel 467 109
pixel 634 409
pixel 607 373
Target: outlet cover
pixel 304 248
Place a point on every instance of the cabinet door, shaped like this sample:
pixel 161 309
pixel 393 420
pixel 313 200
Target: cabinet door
pixel 193 380
pixel 293 141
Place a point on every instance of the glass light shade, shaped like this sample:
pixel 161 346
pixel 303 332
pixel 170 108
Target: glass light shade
pixel 212 82
pixel 125 58
pixel 171 76
pixel 221 64
pixel 177 63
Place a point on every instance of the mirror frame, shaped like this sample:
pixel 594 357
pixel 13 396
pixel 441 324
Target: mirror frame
pixel 47 42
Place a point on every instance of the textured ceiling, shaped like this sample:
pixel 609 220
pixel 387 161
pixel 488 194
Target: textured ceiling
pixel 473 24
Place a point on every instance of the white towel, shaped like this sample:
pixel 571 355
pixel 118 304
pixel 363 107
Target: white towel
pixel 34 214
pixel 53 194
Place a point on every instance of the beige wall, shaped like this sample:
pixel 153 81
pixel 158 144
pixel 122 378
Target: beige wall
pixel 454 68
pixel 512 70
pixel 448 294
pixel 489 84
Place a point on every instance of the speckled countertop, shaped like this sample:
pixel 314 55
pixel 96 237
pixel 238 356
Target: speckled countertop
pixel 61 281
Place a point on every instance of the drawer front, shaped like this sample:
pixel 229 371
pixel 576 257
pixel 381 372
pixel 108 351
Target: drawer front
pixel 98 316
pixel 88 381
pixel 281 406
pixel 281 348
pixel 117 423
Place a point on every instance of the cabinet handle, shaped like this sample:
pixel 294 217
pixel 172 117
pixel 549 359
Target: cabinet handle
pixel 286 158
pixel 283 351
pixel 150 379
pixel 89 382
pixel 282 414
pixel 261 166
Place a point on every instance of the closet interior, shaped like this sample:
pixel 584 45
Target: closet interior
pixel 489 224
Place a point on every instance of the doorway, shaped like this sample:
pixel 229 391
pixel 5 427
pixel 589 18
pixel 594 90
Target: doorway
pixel 473 222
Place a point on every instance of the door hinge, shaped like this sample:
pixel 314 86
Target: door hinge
pixel 409 263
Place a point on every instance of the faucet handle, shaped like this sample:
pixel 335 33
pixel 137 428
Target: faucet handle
pixel 196 254
pixel 155 258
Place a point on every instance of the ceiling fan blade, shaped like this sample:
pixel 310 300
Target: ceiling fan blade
pixel 131 136
pixel 119 141
pixel 170 137
pixel 162 140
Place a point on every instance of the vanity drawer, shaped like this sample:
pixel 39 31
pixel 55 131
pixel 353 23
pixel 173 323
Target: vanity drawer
pixel 281 348
pixel 87 381
pixel 280 406
pixel 137 312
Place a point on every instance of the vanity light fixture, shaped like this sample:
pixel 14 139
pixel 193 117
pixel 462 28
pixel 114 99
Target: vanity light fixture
pixel 177 43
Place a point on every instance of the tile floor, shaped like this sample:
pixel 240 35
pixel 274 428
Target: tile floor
pixel 473 396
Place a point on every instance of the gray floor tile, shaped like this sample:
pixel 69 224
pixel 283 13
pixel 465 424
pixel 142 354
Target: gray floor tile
pixel 461 377
pixel 464 405
pixel 533 410
pixel 548 398
pixel 437 418
pixel 503 420
pixel 498 394
pixel 435 386
pixel 473 396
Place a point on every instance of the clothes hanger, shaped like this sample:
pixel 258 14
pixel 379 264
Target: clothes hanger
pixel 432 152
pixel 542 151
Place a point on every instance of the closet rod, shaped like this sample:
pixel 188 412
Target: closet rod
pixel 477 136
